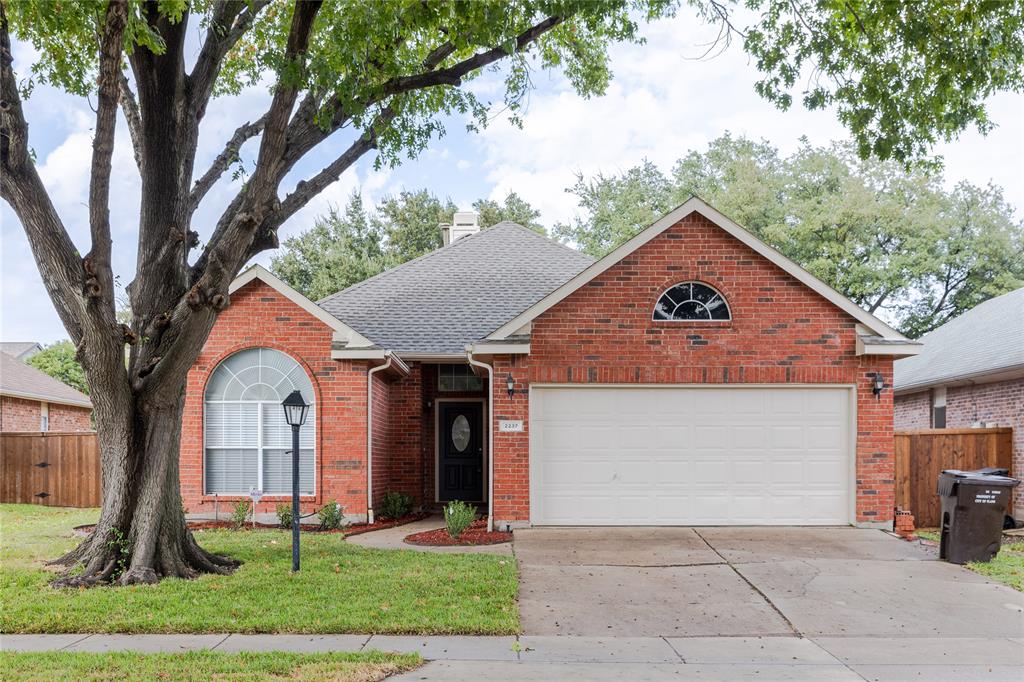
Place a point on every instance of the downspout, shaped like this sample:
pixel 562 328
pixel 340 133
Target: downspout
pixel 369 433
pixel 490 435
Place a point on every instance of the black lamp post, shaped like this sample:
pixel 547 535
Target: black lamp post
pixel 295 409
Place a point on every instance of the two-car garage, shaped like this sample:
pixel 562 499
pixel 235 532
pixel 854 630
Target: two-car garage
pixel 691 455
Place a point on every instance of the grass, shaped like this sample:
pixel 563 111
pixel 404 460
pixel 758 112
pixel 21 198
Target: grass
pixel 341 587
pixel 203 665
pixel 1007 567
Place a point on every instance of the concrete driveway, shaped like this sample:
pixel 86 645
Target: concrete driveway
pixel 700 582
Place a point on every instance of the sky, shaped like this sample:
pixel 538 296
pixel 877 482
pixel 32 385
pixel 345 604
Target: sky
pixel 663 102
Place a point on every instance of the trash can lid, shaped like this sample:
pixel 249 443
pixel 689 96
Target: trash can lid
pixel 980 477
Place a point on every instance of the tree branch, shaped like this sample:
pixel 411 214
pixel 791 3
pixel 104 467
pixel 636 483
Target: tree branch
pixel 21 187
pixel 224 160
pixel 130 107
pixel 230 20
pixel 99 276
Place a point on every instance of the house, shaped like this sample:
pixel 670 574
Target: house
pixel 694 375
pixel 21 350
pixel 33 401
pixel 970 373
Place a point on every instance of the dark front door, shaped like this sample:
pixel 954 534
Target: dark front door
pixel 461 452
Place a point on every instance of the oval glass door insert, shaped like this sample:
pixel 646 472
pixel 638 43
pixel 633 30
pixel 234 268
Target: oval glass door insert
pixel 460 433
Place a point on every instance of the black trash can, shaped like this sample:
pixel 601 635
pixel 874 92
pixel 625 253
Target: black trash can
pixel 973 506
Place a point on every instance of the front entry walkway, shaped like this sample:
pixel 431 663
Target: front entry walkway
pixel 749 582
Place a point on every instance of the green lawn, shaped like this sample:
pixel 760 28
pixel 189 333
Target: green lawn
pixel 203 665
pixel 341 587
pixel 1007 567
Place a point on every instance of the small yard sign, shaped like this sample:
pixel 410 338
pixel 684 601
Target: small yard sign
pixel 510 425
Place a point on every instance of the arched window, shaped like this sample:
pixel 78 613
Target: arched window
pixel 691 301
pixel 248 442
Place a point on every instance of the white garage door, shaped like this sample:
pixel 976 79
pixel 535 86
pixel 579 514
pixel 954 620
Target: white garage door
pixel 690 456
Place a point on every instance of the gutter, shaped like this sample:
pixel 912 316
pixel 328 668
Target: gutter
pixel 490 435
pixel 369 432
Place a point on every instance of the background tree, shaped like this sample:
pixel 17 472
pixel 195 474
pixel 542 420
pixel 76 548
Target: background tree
pixel 892 240
pixel 349 78
pixel 342 249
pixel 58 360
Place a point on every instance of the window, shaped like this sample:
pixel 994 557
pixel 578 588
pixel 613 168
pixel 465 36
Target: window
pixel 691 301
pixel 939 407
pixel 44 416
pixel 248 442
pixel 458 378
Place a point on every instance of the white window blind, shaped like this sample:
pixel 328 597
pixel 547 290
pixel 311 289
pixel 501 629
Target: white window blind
pixel 248 442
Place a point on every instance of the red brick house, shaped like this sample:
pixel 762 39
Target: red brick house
pixel 692 376
pixel 31 400
pixel 970 374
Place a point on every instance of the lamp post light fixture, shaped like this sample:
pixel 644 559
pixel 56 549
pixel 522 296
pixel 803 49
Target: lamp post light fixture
pixel 295 409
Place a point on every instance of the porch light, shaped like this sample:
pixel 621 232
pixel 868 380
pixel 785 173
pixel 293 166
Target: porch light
pixel 295 409
pixel 511 384
pixel 877 385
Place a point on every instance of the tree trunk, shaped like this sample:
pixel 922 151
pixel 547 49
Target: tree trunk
pixel 141 535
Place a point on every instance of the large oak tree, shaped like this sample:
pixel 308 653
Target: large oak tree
pixel 351 78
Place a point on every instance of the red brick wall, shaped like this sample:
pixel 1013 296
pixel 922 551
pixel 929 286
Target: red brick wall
pixel 18 414
pixel 781 332
pixel 260 317
pixel 913 411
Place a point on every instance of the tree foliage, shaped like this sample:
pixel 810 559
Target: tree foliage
pixel 58 360
pixel 346 247
pixel 894 241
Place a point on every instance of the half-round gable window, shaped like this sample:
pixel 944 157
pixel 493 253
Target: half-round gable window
pixel 692 301
pixel 248 441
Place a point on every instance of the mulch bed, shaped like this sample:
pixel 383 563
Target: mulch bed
pixel 476 534
pixel 354 529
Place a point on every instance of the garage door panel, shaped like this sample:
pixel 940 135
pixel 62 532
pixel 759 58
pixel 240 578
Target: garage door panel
pixel 689 456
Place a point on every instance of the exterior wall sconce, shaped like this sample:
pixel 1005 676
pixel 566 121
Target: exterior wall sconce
pixel 877 385
pixel 510 383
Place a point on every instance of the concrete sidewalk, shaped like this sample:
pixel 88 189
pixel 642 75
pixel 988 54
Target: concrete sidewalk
pixel 613 658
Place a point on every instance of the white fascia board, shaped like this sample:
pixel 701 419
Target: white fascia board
pixel 371 354
pixel 899 350
pixel 23 395
pixel 686 208
pixel 342 332
pixel 510 348
pixel 988 376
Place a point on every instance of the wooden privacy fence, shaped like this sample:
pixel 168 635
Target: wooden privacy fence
pixel 922 455
pixel 50 468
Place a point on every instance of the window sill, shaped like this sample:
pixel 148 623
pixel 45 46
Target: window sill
pixel 692 324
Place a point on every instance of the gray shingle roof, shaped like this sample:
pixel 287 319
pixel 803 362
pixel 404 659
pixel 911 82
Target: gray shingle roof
pixel 457 294
pixel 20 349
pixel 987 339
pixel 23 381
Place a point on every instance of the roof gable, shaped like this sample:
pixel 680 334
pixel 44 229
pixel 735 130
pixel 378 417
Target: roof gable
pixel 874 325
pixel 342 332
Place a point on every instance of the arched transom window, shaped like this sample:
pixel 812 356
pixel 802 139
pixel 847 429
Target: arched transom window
pixel 692 301
pixel 248 442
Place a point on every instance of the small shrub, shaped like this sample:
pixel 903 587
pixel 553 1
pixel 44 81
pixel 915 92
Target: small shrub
pixel 119 543
pixel 284 515
pixel 239 514
pixel 331 516
pixel 395 505
pixel 458 516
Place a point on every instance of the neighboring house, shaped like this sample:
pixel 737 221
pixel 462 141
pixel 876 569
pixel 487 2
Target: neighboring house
pixel 692 376
pixel 22 350
pixel 970 373
pixel 33 401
